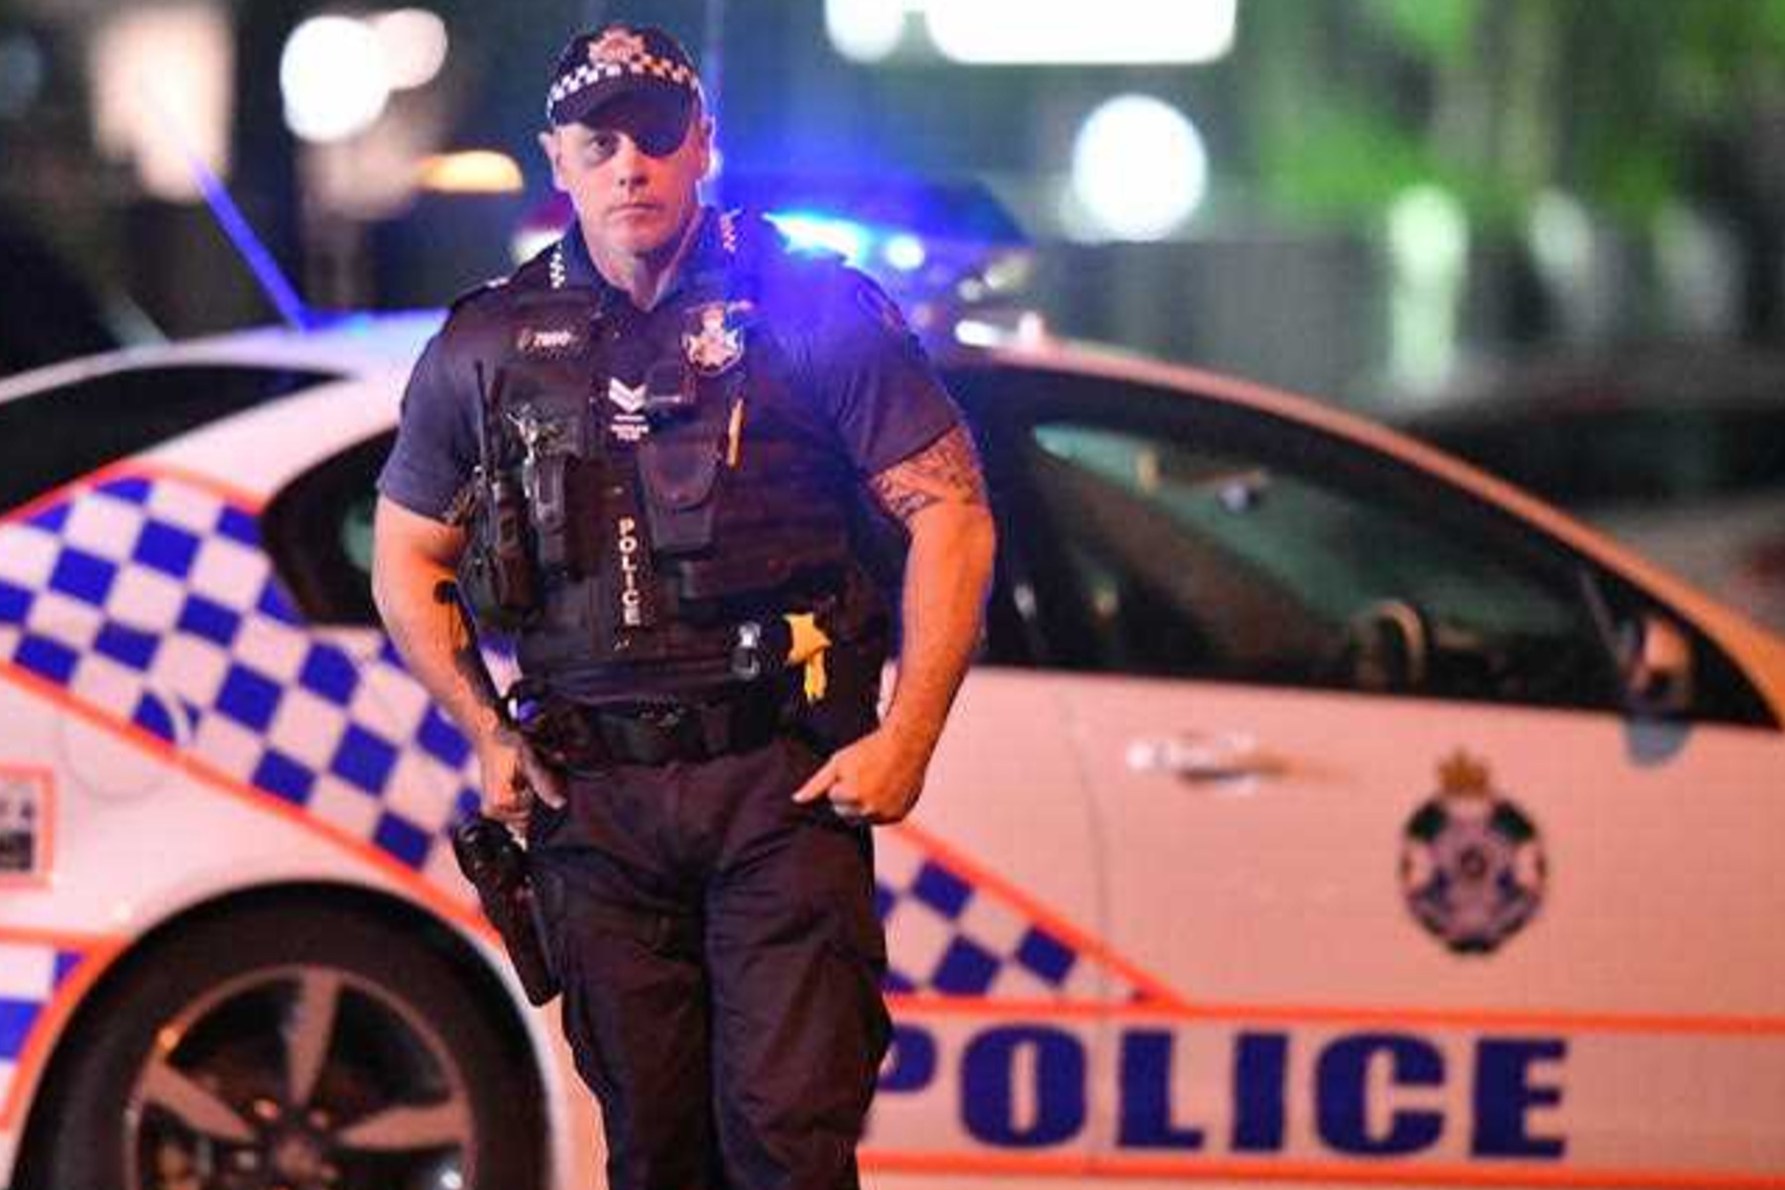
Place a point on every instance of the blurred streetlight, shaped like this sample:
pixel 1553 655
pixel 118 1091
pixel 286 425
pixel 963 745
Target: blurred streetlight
pixel 415 46
pixel 865 30
pixel 1075 32
pixel 474 171
pixel 160 79
pixel 1139 169
pixel 335 78
pixel 1040 32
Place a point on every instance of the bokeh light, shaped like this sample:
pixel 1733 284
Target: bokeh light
pixel 1139 168
pixel 415 46
pixel 1073 31
pixel 161 93
pixel 472 171
pixel 905 253
pixel 334 78
pixel 865 30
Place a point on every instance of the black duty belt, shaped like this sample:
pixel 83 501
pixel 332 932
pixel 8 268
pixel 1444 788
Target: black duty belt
pixel 578 736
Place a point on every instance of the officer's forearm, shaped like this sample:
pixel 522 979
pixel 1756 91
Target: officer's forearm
pixel 947 572
pixel 428 633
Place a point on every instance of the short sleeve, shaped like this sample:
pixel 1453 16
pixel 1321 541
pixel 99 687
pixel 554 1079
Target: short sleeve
pixel 436 445
pixel 878 385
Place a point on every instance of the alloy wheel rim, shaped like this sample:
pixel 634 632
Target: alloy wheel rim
pixel 299 1077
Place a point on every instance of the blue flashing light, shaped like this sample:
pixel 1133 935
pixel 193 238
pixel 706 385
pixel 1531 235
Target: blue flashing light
pixel 235 225
pixel 807 231
pixel 924 241
pixel 353 322
pixel 905 253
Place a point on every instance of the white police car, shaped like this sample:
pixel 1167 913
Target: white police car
pixel 1322 811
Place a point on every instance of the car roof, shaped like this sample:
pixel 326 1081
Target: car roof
pixel 345 346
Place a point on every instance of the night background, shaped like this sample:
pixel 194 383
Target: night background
pixel 1398 192
pixel 1317 809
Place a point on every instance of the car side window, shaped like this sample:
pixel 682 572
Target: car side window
pixel 1165 536
pixel 1197 561
pixel 318 531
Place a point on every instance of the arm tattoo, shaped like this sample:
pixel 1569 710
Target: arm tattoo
pixel 945 470
pixel 467 659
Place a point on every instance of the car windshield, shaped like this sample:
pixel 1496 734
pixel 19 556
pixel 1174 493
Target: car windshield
pixel 56 436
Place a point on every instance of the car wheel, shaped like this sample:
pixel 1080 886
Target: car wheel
pixel 285 1049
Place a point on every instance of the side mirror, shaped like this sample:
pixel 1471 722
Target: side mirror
pixel 1655 662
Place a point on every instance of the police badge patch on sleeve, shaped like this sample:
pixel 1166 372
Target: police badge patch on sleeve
pixel 1473 868
pixel 714 338
pixel 24 823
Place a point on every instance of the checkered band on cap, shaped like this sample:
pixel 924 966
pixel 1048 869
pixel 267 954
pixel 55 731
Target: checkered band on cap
pixel 595 67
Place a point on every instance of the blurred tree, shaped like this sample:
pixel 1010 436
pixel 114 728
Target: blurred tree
pixel 1627 107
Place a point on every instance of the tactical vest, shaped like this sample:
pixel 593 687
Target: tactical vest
pixel 678 495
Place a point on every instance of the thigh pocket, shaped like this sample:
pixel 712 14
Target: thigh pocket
pixel 858 948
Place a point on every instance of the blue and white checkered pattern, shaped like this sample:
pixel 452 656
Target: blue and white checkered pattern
pixel 150 601
pixel 946 936
pixel 643 64
pixel 30 973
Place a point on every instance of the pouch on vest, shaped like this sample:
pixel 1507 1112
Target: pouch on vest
pixel 496 571
pixel 677 472
pixel 549 443
pixel 546 394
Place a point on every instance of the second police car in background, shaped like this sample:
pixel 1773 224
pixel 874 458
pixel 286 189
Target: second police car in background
pixel 1321 810
pixel 1679 451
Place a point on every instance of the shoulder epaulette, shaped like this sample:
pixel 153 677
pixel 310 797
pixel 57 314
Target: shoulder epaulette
pixel 477 291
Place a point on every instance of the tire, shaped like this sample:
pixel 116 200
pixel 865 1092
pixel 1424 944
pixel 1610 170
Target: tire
pixel 285 1048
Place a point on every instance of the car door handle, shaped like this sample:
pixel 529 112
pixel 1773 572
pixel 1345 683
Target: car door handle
pixel 1226 756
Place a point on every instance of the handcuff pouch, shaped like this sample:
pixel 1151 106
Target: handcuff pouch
pixel 678 470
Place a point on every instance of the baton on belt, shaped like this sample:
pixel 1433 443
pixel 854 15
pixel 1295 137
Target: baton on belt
pixel 486 851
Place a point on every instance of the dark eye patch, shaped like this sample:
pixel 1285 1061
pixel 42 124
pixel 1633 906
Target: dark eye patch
pixel 659 137
pixel 657 128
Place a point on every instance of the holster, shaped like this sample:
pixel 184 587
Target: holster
pixel 496 866
pixel 850 708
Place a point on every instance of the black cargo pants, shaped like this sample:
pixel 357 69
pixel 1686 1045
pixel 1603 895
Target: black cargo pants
pixel 721 960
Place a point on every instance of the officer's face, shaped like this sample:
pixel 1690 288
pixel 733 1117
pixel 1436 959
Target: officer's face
pixel 631 177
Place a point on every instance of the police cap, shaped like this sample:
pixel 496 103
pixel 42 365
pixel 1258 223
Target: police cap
pixel 641 61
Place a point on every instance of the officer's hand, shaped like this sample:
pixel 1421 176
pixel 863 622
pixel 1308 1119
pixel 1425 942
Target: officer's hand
pixel 877 779
pixel 512 777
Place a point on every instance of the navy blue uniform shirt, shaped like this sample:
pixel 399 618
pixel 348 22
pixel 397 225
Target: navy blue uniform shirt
pixel 856 362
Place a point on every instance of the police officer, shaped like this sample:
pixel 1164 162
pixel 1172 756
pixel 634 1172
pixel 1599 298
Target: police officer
pixel 656 453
